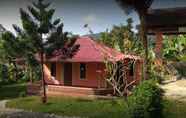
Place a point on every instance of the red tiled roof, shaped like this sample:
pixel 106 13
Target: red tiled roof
pixel 92 51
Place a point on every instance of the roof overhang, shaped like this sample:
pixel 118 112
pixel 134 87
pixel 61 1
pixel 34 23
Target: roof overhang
pixel 167 21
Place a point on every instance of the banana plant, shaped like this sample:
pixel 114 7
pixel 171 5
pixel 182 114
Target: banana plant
pixel 175 48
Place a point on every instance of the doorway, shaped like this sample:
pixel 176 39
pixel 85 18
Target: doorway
pixel 68 74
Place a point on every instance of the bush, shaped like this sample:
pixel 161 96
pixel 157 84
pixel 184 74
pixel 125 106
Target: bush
pixel 7 82
pixel 157 77
pixel 22 94
pixel 146 101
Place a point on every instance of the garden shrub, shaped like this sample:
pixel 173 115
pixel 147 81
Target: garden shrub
pixel 157 77
pixel 146 101
pixel 22 94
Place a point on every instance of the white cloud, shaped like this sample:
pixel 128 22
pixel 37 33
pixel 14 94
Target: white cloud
pixel 90 18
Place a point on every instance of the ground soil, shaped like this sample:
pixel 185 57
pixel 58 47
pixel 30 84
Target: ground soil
pixel 175 89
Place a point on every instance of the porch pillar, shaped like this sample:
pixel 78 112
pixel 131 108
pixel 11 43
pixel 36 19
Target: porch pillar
pixel 158 48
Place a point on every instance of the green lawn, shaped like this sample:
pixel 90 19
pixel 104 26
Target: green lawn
pixel 12 91
pixel 73 107
pixel 174 109
pixel 90 108
pixel 80 107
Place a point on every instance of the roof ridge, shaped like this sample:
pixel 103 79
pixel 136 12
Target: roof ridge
pixel 94 45
pixel 103 49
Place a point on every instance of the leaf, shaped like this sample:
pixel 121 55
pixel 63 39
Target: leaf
pixel 60 28
pixel 28 23
pixel 50 14
pixel 56 22
pixel 46 5
pixel 34 12
pixel 35 5
pixel 17 29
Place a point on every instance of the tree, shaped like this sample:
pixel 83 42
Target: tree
pixel 174 48
pixel 174 55
pixel 122 37
pixel 10 50
pixel 141 7
pixel 44 36
pixel 107 39
pixel 116 76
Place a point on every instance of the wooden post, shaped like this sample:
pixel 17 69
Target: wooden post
pixel 44 97
pixel 143 35
pixel 158 48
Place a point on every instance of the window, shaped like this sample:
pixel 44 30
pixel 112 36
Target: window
pixel 53 69
pixel 82 71
pixel 131 71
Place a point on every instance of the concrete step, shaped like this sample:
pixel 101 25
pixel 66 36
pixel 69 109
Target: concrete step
pixel 77 90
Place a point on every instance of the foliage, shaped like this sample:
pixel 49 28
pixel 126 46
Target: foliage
pixel 107 39
pixel 139 6
pixel 174 48
pixel 123 38
pixel 180 69
pixel 11 90
pixel 22 94
pixel 9 48
pixel 41 36
pixel 45 35
pixel 3 72
pixel 146 101
pixel 156 72
pixel 174 53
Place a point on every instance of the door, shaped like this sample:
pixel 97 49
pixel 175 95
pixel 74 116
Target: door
pixel 68 74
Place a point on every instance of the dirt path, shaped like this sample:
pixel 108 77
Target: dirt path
pixel 175 90
pixel 3 104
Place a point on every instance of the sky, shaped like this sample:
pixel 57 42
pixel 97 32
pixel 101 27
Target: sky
pixel 99 14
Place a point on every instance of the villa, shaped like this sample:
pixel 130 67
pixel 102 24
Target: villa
pixel 84 73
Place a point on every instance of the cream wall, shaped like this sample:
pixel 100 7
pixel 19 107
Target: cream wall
pixel 93 79
pixel 59 72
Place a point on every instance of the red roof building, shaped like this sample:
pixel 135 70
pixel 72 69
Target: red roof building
pixel 92 51
pixel 87 67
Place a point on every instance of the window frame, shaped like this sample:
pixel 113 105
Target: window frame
pixel 131 69
pixel 84 74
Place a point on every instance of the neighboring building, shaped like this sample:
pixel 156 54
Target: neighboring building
pixel 86 69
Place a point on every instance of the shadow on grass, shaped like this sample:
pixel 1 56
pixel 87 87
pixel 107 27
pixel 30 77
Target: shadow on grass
pixel 12 91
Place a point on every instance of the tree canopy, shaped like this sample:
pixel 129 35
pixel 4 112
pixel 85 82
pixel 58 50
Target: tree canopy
pixel 41 36
pixel 123 38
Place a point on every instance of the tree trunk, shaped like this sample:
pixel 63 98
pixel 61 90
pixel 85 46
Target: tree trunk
pixel 44 97
pixel 145 43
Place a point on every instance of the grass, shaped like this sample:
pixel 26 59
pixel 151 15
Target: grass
pixel 12 91
pixel 66 106
pixel 174 109
pixel 90 108
pixel 73 107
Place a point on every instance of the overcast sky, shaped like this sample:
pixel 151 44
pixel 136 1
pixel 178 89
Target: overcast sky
pixel 99 14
